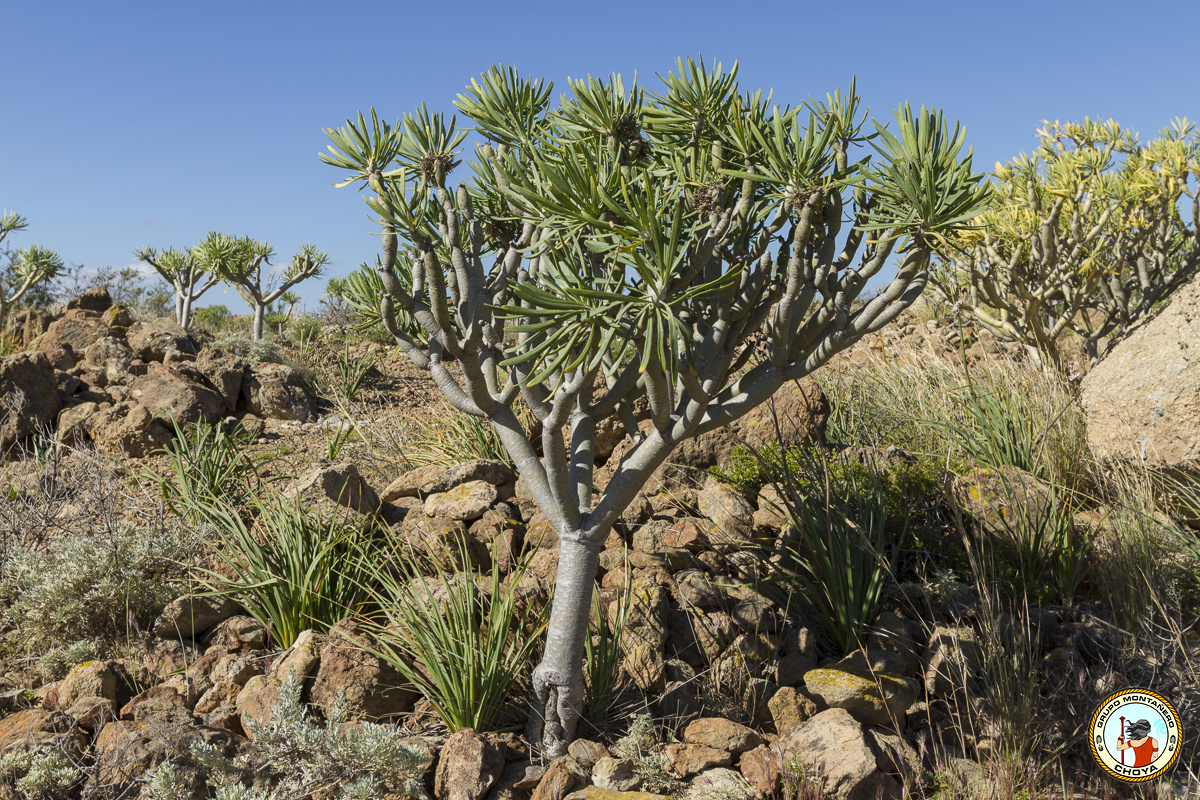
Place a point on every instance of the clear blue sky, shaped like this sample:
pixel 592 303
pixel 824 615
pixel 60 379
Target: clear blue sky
pixel 128 124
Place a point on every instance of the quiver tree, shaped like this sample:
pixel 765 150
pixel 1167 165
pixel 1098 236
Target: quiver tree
pixel 190 276
pixel 1085 235
pixel 241 262
pixel 29 266
pixel 695 246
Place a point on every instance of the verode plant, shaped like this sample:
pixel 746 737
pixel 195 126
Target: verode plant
pixel 693 245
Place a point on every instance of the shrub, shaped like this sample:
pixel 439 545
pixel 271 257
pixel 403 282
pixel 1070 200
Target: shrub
pixel 359 762
pixel 289 569
pixel 211 318
pixel 837 549
pixel 207 464
pixel 464 641
pixel 40 774
pixel 254 351
pixel 641 746
pixel 84 592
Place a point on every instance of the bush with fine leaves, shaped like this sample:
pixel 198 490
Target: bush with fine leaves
pixel 81 593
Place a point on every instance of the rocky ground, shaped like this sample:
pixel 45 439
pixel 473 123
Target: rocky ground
pixel 727 686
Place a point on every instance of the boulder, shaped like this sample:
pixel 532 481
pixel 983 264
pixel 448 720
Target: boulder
pixel 170 394
pixel 92 713
pixel 557 781
pixel 1003 500
pixel 127 429
pixel 255 701
pixel 35 728
pixel 436 478
pixel 91 679
pixel 373 689
pixel 276 391
pixel 468 766
pixel 721 782
pixel 342 484
pixel 834 742
pixel 871 698
pixel 28 397
pixel 301 660
pixel 67 338
pixel 95 299
pixel 127 751
pixel 467 501
pixel 25 326
pixel 190 616
pixel 953 658
pixel 224 373
pixel 615 775
pixel 111 356
pixel 721 734
pixel 1142 400
pixel 72 423
pixel 789 708
pixel 239 634
pixel 731 516
pixel 686 760
pixel 154 340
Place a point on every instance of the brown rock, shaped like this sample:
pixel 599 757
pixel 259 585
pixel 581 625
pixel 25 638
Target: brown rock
pixel 789 708
pixel 731 516
pixel 686 760
pixel 721 734
pixel 556 783
pixel 190 616
pixel 238 635
pixel 154 340
pixel 340 483
pixel 644 664
pixel 93 712
pixel 467 501
pixel 615 775
pixel 25 326
pixel 95 299
pixel 301 660
pixel 127 429
pixel 67 338
pixel 586 752
pixel 255 702
pixel 72 423
pixel 468 766
pixel 28 398
pixel 89 679
pixel 760 768
pixel 170 394
pixel 276 391
pixel 834 740
pixel 34 728
pixel 373 689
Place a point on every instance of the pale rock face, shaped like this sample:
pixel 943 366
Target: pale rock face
pixel 836 740
pixel 466 502
pixel 1143 399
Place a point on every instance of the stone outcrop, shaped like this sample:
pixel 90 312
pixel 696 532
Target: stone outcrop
pixel 1143 398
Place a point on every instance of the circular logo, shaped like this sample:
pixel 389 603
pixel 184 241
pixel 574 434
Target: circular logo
pixel 1135 735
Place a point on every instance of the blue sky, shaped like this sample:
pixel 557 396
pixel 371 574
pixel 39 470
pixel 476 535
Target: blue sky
pixel 127 124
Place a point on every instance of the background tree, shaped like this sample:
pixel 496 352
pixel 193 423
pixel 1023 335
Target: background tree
pixel 27 267
pixel 241 261
pixel 1085 236
pixel 629 243
pixel 189 275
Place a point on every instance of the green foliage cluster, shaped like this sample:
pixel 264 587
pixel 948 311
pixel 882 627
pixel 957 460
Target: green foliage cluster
pixel 465 641
pixel 211 318
pixel 298 757
pixel 45 773
pixel 256 351
pixel 83 593
pixel 208 463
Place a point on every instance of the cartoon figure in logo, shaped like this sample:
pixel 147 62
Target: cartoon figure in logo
pixel 1138 739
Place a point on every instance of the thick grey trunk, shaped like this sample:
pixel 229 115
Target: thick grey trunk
pixel 558 689
pixel 258 321
pixel 185 312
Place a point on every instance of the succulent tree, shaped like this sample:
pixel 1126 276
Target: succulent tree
pixel 190 276
pixel 241 260
pixel 30 266
pixel 1085 235
pixel 695 245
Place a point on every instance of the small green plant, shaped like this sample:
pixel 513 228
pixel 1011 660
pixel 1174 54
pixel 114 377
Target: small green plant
pixel 352 371
pixel 256 351
pixel 472 637
pixel 338 438
pixel 289 569
pixel 40 774
pixel 603 655
pixel 838 549
pixel 641 746
pixel 208 463
pixel 363 291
